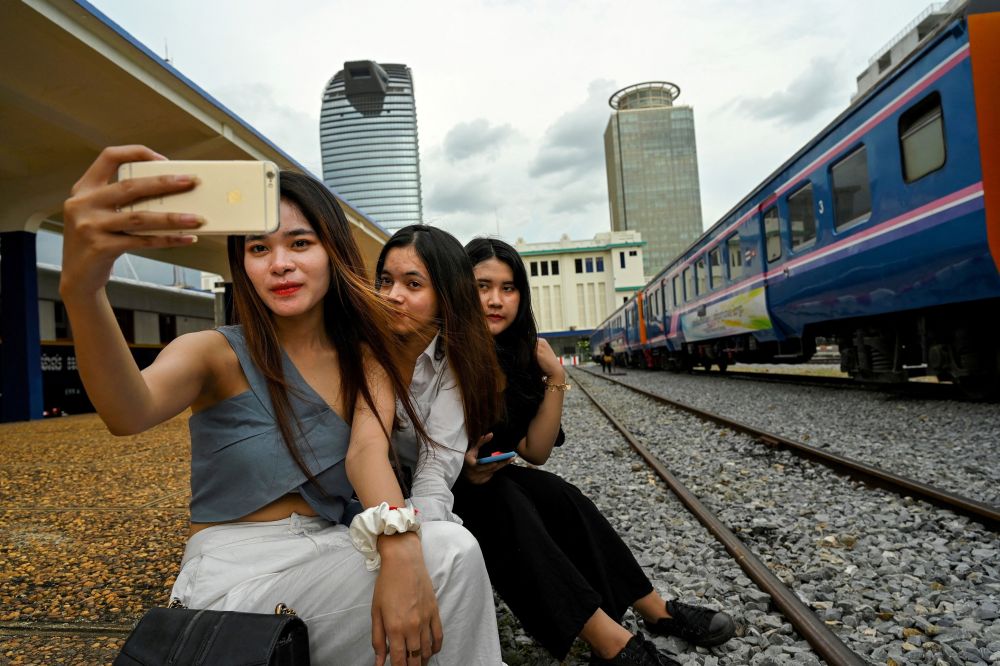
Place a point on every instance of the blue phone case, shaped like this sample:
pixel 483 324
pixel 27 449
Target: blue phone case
pixel 496 458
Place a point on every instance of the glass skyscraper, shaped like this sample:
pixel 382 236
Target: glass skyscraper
pixel 652 166
pixel 368 139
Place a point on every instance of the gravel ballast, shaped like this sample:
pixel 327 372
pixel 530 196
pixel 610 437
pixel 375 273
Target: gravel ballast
pixel 899 580
pixel 682 560
pixel 950 444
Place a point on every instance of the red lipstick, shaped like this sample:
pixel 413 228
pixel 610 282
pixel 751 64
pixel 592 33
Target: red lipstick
pixel 286 289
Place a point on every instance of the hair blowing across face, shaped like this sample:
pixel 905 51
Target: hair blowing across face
pixel 355 319
pixel 466 339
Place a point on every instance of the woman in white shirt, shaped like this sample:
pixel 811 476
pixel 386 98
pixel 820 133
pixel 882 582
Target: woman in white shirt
pixel 456 383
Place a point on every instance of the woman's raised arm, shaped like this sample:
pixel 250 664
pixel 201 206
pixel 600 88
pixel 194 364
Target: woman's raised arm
pixel 96 233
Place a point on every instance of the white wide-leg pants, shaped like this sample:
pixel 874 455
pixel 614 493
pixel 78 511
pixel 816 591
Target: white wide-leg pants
pixel 311 566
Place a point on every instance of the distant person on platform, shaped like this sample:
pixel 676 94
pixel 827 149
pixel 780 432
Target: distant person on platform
pixel 607 358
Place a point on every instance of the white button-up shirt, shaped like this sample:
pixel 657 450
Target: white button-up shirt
pixel 438 400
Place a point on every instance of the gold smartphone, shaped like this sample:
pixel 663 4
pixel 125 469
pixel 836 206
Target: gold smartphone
pixel 234 197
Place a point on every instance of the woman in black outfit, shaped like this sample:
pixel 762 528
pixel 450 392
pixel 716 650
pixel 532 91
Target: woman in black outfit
pixel 551 555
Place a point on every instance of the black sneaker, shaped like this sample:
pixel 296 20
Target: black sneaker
pixel 697 625
pixel 637 652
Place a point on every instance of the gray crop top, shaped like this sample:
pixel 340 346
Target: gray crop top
pixel 239 462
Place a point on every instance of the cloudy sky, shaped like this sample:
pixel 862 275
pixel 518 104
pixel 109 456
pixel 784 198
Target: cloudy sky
pixel 512 95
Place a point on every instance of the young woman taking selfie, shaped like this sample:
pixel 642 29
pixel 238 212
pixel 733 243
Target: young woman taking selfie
pixel 291 414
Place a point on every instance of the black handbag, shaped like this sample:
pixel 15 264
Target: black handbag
pixel 178 636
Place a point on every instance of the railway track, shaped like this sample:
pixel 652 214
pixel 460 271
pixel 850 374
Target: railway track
pixel 984 513
pixel 65 629
pixel 805 620
pixel 918 390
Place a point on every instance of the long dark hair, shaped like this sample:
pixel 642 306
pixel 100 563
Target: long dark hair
pixel 515 345
pixel 355 320
pixel 465 338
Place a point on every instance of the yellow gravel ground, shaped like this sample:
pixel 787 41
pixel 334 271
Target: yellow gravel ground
pixel 92 528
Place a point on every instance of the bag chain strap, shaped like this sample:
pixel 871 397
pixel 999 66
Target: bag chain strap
pixel 280 609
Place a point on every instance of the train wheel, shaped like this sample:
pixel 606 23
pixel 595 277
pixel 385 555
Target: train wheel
pixel 980 387
pixel 723 364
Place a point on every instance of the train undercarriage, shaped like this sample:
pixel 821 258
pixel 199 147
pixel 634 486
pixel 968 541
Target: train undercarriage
pixel 955 343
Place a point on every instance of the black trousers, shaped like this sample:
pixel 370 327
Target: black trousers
pixel 551 555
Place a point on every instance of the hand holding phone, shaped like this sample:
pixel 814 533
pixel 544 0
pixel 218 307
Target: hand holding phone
pixel 496 456
pixel 233 197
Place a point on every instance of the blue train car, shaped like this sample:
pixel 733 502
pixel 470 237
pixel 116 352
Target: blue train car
pixel 613 331
pixel 882 234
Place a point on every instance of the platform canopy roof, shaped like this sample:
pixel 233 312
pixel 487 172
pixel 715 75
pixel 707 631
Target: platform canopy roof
pixel 72 82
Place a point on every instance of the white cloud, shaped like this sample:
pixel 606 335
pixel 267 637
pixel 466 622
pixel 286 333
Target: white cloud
pixel 471 194
pixel 475 138
pixel 808 95
pixel 573 145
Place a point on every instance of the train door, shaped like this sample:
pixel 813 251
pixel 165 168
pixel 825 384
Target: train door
pixel 642 303
pixel 774 246
pixel 772 263
pixel 631 337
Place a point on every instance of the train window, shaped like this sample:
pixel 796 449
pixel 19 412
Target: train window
pixel 802 217
pixel 63 330
pixel 688 284
pixel 168 328
pixel 772 234
pixel 677 290
pixel 921 138
pixel 701 276
pixel 735 256
pixel 715 265
pixel 852 196
pixel 126 321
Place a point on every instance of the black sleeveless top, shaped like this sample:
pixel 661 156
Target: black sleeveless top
pixel 522 398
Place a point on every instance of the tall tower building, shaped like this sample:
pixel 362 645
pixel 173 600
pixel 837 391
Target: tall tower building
pixel 652 165
pixel 368 139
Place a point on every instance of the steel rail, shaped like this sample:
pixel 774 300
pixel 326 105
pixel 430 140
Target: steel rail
pixel 986 514
pixel 826 643
pixel 925 390
pixel 65 628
